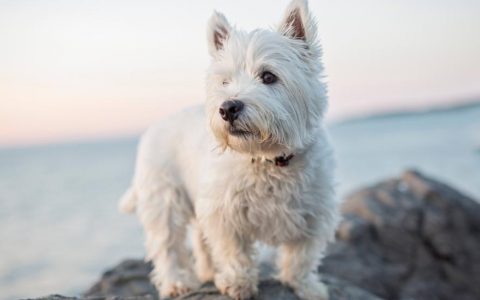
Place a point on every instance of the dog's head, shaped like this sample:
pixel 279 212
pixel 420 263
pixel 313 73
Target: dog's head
pixel 264 93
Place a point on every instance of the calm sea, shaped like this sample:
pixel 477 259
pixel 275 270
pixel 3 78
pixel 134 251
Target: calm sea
pixel 59 225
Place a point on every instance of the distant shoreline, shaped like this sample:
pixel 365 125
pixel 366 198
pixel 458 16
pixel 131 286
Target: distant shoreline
pixel 468 104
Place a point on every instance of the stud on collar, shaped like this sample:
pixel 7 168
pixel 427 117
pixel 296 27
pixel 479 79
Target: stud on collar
pixel 283 161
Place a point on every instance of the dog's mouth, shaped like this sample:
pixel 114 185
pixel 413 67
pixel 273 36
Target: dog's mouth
pixel 238 132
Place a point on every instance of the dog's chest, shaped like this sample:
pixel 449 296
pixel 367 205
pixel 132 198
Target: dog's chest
pixel 266 203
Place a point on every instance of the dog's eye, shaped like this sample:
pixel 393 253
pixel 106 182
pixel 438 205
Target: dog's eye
pixel 268 78
pixel 225 82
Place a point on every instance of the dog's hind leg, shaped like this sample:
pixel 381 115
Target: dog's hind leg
pixel 165 213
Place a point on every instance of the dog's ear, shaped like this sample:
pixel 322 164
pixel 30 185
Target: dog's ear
pixel 298 23
pixel 218 31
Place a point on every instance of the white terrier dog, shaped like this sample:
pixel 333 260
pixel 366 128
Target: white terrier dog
pixel 254 165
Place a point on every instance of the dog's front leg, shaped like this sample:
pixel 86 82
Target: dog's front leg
pixel 203 259
pixel 236 275
pixel 297 263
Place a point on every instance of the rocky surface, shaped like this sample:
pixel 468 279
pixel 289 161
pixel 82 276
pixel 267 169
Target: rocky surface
pixel 130 278
pixel 409 238
pixel 405 238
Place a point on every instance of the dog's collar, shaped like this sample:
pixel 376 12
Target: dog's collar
pixel 279 161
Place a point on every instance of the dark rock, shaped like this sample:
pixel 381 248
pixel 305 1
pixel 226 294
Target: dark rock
pixel 409 238
pixel 130 279
pixel 56 297
pixel 60 297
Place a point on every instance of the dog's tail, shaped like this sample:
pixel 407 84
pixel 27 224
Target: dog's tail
pixel 128 202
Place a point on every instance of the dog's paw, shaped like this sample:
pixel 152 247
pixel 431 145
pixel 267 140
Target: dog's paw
pixel 237 288
pixel 239 291
pixel 172 289
pixel 205 274
pixel 310 289
pixel 204 270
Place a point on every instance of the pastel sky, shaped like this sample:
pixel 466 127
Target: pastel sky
pixel 84 69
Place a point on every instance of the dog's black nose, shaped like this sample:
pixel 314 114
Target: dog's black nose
pixel 230 110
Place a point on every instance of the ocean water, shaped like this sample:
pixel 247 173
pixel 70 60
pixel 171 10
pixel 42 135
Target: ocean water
pixel 59 225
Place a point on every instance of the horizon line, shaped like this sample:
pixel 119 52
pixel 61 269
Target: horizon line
pixel 69 141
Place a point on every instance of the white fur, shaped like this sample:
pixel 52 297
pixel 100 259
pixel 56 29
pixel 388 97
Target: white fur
pixel 190 170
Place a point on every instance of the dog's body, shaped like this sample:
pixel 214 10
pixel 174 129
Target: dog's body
pixel 262 171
